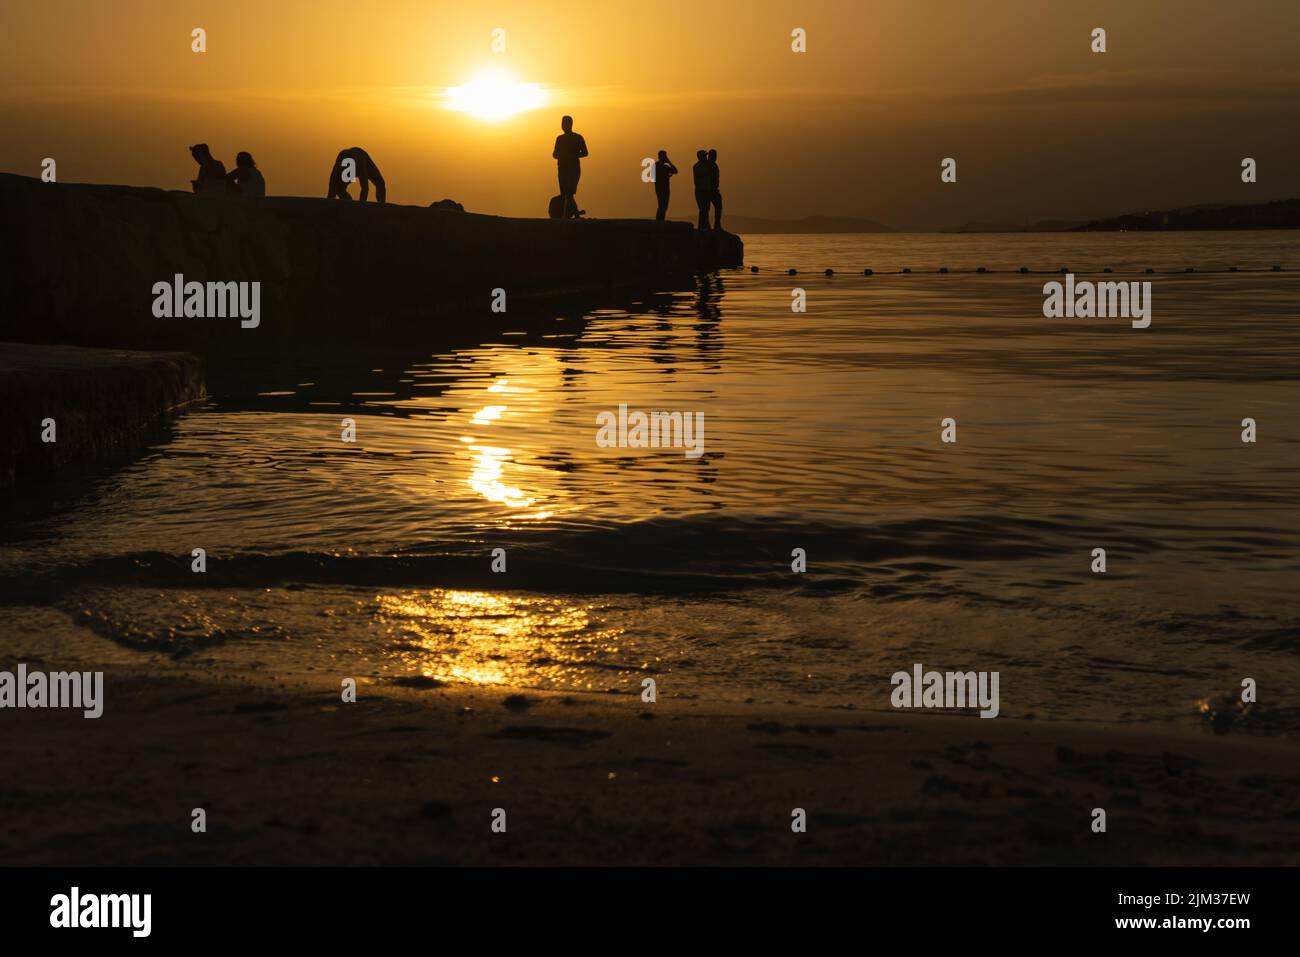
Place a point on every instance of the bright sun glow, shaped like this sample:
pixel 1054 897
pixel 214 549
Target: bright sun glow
pixel 495 95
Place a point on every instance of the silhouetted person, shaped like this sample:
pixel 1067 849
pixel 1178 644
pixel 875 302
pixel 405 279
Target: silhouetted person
pixel 569 150
pixel 715 177
pixel 363 169
pixel 664 170
pixel 703 176
pixel 212 172
pixel 246 177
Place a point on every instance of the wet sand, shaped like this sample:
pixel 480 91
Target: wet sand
pixel 289 774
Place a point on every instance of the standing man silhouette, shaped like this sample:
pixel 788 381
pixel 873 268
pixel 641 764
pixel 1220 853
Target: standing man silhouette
pixel 664 170
pixel 703 186
pixel 715 197
pixel 569 150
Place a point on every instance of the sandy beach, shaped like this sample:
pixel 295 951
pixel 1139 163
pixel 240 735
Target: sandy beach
pixel 289 774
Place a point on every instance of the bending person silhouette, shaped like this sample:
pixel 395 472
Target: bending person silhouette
pixel 569 150
pixel 715 197
pixel 355 164
pixel 703 186
pixel 212 172
pixel 664 170
pixel 246 178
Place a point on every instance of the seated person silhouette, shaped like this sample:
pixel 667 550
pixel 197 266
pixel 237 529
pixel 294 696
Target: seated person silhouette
pixel 703 175
pixel 351 164
pixel 664 171
pixel 569 150
pixel 716 197
pixel 246 178
pixel 212 172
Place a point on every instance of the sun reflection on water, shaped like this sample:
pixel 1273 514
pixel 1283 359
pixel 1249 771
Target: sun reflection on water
pixel 487 638
pixel 486 474
pixel 488 462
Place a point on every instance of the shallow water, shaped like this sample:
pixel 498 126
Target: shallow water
pixel 822 432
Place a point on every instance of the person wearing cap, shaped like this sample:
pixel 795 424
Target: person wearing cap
pixel 212 172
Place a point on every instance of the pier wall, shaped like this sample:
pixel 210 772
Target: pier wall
pixel 86 259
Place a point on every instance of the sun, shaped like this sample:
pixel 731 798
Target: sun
pixel 494 95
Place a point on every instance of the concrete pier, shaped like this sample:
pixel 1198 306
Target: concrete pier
pixel 99 406
pixel 88 258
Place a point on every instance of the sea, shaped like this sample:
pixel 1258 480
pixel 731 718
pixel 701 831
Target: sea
pixel 1096 529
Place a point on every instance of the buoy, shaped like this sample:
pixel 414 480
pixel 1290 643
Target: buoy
pixel 943 269
pixel 1024 269
pixel 981 269
pixel 866 272
pixel 753 269
pixel 792 272
pixel 905 269
pixel 830 272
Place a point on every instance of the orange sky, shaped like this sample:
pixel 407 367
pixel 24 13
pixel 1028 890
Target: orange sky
pixel 1040 126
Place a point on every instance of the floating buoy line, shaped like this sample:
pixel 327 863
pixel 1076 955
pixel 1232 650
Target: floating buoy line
pixel 1026 271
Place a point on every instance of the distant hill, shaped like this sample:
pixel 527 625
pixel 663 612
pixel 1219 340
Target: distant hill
pixel 1282 214
pixel 1042 226
pixel 809 224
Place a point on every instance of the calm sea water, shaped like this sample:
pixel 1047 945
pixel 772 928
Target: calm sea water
pixel 822 433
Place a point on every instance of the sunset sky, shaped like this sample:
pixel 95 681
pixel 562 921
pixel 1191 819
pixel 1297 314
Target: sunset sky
pixel 1040 126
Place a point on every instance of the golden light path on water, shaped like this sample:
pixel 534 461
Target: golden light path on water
pixel 485 478
pixel 483 637
pixel 488 465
